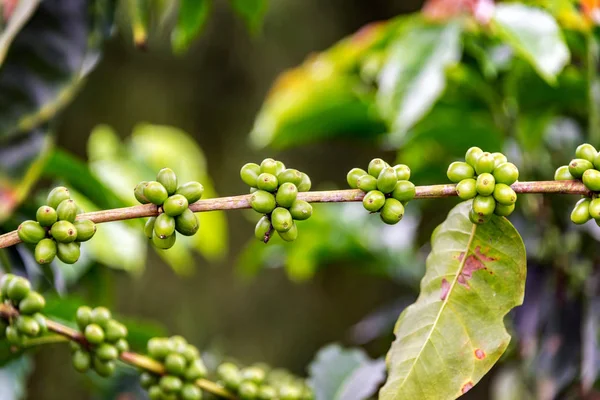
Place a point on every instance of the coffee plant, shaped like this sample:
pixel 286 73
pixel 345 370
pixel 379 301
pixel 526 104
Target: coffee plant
pixel 493 97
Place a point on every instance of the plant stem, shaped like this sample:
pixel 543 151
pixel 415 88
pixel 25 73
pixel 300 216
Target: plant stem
pixel 137 360
pixel 329 196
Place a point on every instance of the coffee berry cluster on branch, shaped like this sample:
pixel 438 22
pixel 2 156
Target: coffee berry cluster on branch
pixel 274 190
pixel 387 188
pixel 486 178
pixel 56 233
pixel 16 292
pixel 174 201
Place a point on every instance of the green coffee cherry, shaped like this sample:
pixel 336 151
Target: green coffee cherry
pixel 67 210
pixel 41 320
pixel 164 226
pixel 168 179
pixel 190 353
pixel 68 252
pixel 159 348
pixel 485 184
pixel 594 208
pixel 392 211
pixel 155 192
pixel 86 229
pixel 305 184
pixel 578 166
pixel 13 336
pixel 46 216
pixel 591 179
pixel 478 219
pixel 262 202
pixel 32 303
pixel 101 316
pixel 83 317
pixel 581 213
pixel 506 173
pixel 387 179
pixel 281 219
pixel 504 194
pixel 138 192
pixel 103 368
pixel 289 392
pixel 267 182
pixel 249 173
pixel 373 201
pixel 402 172
pixel 147 380
pixel 597 161
pixel 499 158
pixel 290 175
pixel 269 166
pixel 189 391
pixel 366 183
pixel 122 345
pixel 466 189
pixel 229 374
pixel 175 364
pixel 165 243
pixel 94 334
pixel 27 325
pixel 248 390
pixel 156 393
pixel 262 228
pixel 5 282
pixel 187 223
pixel 458 170
pixel 63 232
pixel 114 331
pixel 472 156
pixel 57 195
pixel 18 288
pixel 31 232
pixel 170 384
pixel 195 370
pixel 286 194
pixel 353 175
pixel 45 251
pixel 376 166
pixel 192 191
pixel 175 205
pixel 485 163
pixel 301 210
pixel 563 174
pixel 149 227
pixel 81 360
pixel 253 374
pixel 106 352
pixel 291 234
pixel 586 151
pixel 484 205
pixel 266 392
pixel 404 191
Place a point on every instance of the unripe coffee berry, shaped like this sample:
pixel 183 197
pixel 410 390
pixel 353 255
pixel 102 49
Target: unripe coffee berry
pixel 289 392
pixel 563 174
pixel 195 370
pixel 155 193
pixel 149 227
pixel 478 219
pixel 301 210
pixel 281 219
pixel 170 384
pixel 484 206
pixel 290 175
pixel 85 230
pixel 485 163
pixel 31 232
pixel 392 211
pixel 192 191
pixel 147 380
pixel 159 348
pixel 404 191
pixel 286 194
pixel 18 288
pixel 591 179
pixel 305 184
pixel 67 210
pixel 253 374
pixel 597 161
pixel 594 208
pixel 103 368
pixel 164 226
pixel 27 325
pixel 291 234
pixel 41 320
pixel 504 210
pixel 485 184
pixel 187 223
pixel 458 170
pixel 506 173
pixel 376 166
pixel 472 155
pixel 373 201
pixel 81 361
pixel 266 392
pixel 263 226
pixel 63 232
pixel 189 391
pixel 499 158
pixel 83 317
pixel 68 252
pixel 248 390
pixel 262 201
pixel 387 179
pixel 578 166
pixel 57 195
pixel 353 175
pixel 45 251
pixel 269 166
pixel 581 214
pixel 402 172
pixel 466 189
pixel 366 183
pixel 13 336
pixel 114 331
pixel 267 182
pixel 249 174
pixel 122 345
pixel 106 352
pixel 168 179
pixel 138 192
pixel 32 303
pixel 175 205
pixel 5 282
pixel 46 216
pixel 586 151
pixel 175 364
pixel 101 316
pixel 94 334
pixel 504 194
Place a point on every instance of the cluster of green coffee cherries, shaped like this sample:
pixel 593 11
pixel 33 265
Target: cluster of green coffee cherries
pixel 16 292
pixel 485 178
pixel 183 367
pixel 584 167
pixel 105 339
pixel 274 191
pixel 174 201
pixel 56 233
pixel 258 382
pixel 387 188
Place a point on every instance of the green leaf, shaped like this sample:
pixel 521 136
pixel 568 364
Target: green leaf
pixel 413 76
pixel 192 18
pixel 535 35
pixel 454 333
pixel 251 11
pixel 18 18
pixel 344 374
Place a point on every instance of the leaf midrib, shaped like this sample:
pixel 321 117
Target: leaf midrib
pixel 450 289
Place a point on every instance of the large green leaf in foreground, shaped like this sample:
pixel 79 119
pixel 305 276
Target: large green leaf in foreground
pixel 454 333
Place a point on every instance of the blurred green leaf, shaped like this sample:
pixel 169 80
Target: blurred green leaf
pixel 413 76
pixel 344 374
pixel 8 353
pixel 139 16
pixel 252 11
pixel 191 19
pixel 22 12
pixel 535 36
pixel 13 379
pixel 475 275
